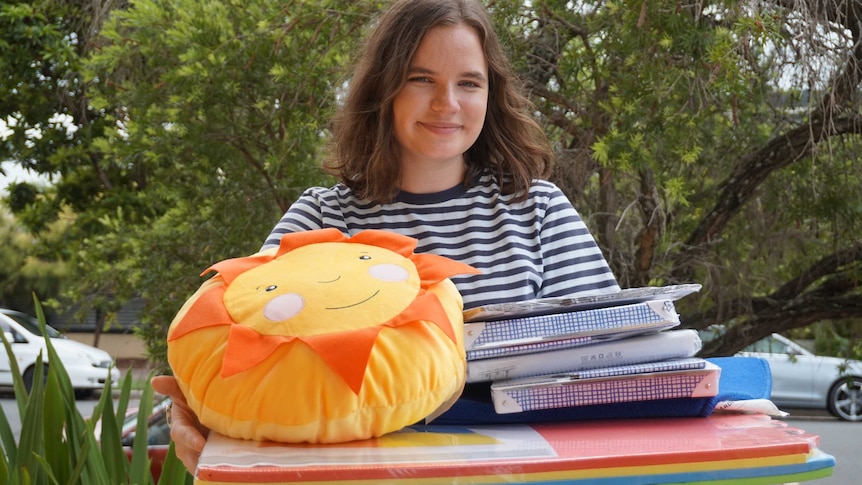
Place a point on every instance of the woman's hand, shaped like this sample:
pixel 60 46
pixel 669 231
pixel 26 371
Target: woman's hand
pixel 187 432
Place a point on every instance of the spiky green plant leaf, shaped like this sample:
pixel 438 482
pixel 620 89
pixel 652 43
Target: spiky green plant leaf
pixel 59 446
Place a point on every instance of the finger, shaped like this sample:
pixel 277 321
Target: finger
pixel 188 442
pixel 181 413
pixel 168 386
pixel 188 456
pixel 188 434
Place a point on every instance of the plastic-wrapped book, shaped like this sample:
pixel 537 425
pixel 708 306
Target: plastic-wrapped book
pixel 650 347
pixel 605 321
pixel 682 378
pixel 547 306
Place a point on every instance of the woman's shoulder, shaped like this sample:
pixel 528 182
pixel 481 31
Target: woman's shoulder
pixel 543 186
pixel 539 188
pixel 338 191
pixel 540 195
pixel 488 179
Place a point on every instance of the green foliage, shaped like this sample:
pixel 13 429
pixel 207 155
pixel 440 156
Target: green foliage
pixel 58 445
pixel 224 105
pixel 25 270
pixel 681 93
pixel 35 56
pixel 663 73
pixel 204 122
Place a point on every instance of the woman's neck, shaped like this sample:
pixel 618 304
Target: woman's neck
pixel 430 179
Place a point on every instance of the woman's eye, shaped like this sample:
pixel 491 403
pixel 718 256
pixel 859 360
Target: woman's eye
pixel 270 288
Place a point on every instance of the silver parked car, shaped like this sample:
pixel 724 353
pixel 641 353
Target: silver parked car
pixel 88 367
pixel 802 379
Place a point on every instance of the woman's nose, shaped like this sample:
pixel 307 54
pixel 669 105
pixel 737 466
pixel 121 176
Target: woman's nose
pixel 444 99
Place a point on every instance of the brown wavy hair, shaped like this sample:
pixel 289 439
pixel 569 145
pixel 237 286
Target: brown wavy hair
pixel 363 151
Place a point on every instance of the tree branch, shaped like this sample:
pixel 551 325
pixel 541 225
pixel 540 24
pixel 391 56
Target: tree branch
pixel 791 146
pixel 825 267
pixel 797 314
pixel 834 275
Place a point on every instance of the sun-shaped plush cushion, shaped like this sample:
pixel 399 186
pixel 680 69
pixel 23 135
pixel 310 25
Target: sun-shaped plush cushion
pixel 328 339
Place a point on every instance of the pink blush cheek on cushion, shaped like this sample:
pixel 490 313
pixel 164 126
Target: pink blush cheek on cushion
pixel 283 307
pixel 388 272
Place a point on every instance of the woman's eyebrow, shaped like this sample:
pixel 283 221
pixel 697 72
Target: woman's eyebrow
pixel 477 75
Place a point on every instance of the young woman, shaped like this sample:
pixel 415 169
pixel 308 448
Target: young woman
pixel 435 141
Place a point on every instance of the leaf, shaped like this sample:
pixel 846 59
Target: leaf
pixel 116 463
pixel 600 152
pixel 7 438
pixel 139 471
pixel 85 463
pixel 53 432
pixel 30 440
pixel 173 470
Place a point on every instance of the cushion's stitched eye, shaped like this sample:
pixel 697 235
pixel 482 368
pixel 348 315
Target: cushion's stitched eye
pixel 365 257
pixel 270 288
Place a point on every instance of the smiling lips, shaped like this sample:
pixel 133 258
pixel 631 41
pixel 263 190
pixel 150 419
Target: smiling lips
pixel 353 304
pixel 441 128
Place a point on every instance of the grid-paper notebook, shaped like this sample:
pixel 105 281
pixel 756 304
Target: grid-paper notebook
pixel 626 319
pixel 547 306
pixel 650 347
pixel 680 378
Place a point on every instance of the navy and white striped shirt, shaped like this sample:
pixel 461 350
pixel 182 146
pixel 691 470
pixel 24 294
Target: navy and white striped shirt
pixel 537 248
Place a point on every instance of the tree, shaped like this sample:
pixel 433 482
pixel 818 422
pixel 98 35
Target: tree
pixel 44 104
pixel 209 120
pixel 712 142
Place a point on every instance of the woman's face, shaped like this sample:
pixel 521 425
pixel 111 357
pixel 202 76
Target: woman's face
pixel 440 111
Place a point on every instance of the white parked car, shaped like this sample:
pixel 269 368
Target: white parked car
pixel 88 367
pixel 802 379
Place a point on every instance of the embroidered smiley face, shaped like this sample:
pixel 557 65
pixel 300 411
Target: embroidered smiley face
pixel 332 293
pixel 323 288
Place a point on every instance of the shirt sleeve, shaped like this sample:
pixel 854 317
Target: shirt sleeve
pixel 573 264
pixel 305 214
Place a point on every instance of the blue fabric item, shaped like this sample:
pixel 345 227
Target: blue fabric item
pixel 741 378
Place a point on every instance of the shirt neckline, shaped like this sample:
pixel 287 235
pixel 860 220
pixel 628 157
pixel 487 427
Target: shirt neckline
pixel 431 198
pixel 435 197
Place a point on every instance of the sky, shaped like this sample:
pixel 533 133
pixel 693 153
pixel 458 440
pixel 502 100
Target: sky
pixel 14 173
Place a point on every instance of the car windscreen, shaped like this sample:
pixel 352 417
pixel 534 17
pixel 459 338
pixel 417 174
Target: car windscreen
pixel 32 325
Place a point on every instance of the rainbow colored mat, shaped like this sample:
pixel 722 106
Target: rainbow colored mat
pixel 738 449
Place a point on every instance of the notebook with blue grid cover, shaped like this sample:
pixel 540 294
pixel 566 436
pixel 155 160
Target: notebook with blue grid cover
pixel 650 347
pixel 671 379
pixel 629 319
pixel 531 348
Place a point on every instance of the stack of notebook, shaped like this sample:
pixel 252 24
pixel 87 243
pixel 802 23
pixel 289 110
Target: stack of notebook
pixel 567 352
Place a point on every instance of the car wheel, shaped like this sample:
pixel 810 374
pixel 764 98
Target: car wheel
pixel 845 399
pixel 29 374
